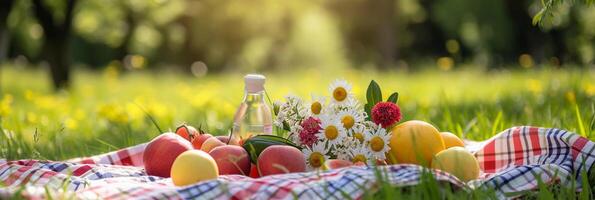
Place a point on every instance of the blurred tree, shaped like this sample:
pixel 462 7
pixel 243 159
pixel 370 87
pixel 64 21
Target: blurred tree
pixel 262 34
pixel 387 36
pixel 543 42
pixel 482 26
pixel 115 30
pixel 130 17
pixel 224 35
pixel 5 7
pixel 369 29
pixel 56 45
pixel 549 7
pixel 420 33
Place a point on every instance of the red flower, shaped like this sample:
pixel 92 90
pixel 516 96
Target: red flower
pixel 310 127
pixel 386 114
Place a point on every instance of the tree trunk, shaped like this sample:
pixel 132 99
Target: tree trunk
pixel 57 53
pixel 559 50
pixel 5 7
pixel 56 46
pixel 387 44
pixel 524 30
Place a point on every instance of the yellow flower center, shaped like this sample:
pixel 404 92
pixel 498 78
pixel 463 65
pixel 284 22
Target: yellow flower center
pixel 340 94
pixel 331 132
pixel 377 144
pixel 348 121
pixel 316 107
pixel 359 136
pixel 359 158
pixel 316 159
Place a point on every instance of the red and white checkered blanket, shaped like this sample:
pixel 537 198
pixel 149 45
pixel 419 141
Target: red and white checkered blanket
pixel 512 161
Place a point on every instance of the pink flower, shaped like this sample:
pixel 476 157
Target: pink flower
pixel 310 127
pixel 386 114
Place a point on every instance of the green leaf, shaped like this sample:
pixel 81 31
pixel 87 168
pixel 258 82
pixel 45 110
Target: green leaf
pixel 368 109
pixel 374 95
pixel 393 98
pixel 538 17
pixel 255 145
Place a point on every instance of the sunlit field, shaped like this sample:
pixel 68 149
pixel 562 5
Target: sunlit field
pixel 85 78
pixel 116 109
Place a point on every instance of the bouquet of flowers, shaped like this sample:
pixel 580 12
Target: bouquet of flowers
pixel 340 128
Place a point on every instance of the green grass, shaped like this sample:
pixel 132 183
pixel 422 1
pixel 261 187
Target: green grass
pixel 110 109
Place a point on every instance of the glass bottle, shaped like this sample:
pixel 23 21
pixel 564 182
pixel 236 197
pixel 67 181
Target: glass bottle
pixel 254 116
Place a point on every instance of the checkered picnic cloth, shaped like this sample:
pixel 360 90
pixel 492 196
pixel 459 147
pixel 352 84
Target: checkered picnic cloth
pixel 512 162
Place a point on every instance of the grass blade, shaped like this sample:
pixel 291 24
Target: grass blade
pixel 150 118
pixel 579 121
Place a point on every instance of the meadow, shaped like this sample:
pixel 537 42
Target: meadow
pixel 112 108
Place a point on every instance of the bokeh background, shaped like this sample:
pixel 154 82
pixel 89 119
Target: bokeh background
pixel 80 77
pixel 214 36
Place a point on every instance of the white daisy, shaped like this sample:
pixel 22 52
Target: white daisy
pixel 316 107
pixel 331 130
pixel 360 154
pixel 316 155
pixel 377 140
pixel 340 92
pixel 350 118
pixel 358 133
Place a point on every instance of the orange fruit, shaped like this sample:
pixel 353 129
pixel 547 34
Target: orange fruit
pixel 451 140
pixel 187 132
pixel 414 142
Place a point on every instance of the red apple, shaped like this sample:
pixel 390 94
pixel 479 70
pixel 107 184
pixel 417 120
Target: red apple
pixel 279 159
pixel 225 139
pixel 210 144
pixel 199 140
pixel 254 171
pixel 161 152
pixel 231 159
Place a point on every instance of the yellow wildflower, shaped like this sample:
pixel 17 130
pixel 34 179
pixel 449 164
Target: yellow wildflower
pixel 31 118
pixel 589 89
pixel 534 86
pixel 29 95
pixel 113 113
pixel 571 97
pixel 5 105
pixel 70 123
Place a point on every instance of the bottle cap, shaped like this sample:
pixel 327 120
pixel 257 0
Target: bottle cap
pixel 254 82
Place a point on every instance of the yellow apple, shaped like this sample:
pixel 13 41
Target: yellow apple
pixel 458 162
pixel 193 166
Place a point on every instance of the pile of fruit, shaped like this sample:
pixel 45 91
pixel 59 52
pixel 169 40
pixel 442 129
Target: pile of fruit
pixel 190 155
pixel 319 136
